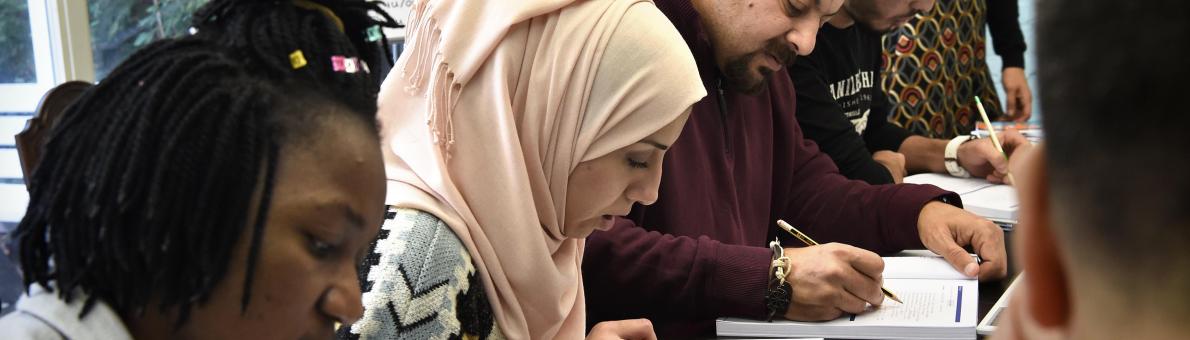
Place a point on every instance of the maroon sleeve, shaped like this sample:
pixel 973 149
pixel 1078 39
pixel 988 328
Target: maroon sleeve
pixel 818 200
pixel 672 277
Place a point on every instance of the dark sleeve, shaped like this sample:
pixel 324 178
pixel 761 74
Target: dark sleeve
pixel 823 121
pixel 673 276
pixel 1005 26
pixel 880 134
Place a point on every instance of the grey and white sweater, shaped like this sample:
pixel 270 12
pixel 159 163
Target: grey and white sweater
pixel 419 282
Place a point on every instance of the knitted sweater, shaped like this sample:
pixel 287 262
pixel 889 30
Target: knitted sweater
pixel 419 283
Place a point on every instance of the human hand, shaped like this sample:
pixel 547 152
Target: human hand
pixel 831 279
pixel 945 229
pixel 981 158
pixel 1019 98
pixel 623 329
pixel 894 161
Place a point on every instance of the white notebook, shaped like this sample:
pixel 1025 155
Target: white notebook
pixel 940 303
pixel 992 201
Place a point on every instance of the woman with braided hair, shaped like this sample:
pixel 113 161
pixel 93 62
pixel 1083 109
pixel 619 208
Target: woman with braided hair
pixel 222 185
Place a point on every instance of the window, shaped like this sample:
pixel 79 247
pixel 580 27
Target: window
pixel 25 67
pixel 47 42
pixel 26 72
pixel 120 27
pixel 17 53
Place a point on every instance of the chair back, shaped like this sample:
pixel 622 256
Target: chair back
pixel 30 141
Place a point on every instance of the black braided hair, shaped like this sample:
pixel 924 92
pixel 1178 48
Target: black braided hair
pixel 300 29
pixel 150 178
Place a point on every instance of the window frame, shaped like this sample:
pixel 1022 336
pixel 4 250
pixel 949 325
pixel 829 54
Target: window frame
pixel 61 35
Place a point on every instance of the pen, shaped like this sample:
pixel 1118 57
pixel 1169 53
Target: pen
pixel 810 242
pixel 992 131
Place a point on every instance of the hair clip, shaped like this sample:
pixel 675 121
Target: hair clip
pixel 364 65
pixel 345 64
pixel 337 63
pixel 372 33
pixel 297 59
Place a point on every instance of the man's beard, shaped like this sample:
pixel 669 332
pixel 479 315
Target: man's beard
pixel 738 74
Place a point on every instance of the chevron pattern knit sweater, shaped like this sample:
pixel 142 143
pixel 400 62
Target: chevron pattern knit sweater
pixel 419 283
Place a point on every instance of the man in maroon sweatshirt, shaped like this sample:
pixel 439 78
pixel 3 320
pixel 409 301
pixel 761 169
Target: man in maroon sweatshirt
pixel 699 252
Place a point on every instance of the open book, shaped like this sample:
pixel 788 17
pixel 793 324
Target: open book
pixel 940 303
pixel 997 202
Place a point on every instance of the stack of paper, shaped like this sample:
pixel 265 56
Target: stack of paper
pixel 996 202
pixel 1032 132
pixel 940 303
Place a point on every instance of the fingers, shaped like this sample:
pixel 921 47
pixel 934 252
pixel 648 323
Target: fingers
pixel 979 156
pixel 989 244
pixel 835 278
pixel 1026 106
pixel 849 302
pixel 997 178
pixel 1020 105
pixel 1026 102
pixel 1010 139
pixel 957 257
pixel 1011 109
pixel 863 261
pixel 955 228
pixel 998 162
pixel 858 291
pixel 1019 98
pixel 623 329
pixel 860 277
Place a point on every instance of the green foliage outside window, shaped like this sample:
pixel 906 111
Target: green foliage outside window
pixel 120 27
pixel 16 43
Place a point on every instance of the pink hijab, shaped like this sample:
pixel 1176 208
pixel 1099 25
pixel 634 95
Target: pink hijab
pixel 495 104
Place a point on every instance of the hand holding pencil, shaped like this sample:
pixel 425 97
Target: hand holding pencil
pixel 995 139
pixel 810 242
pixel 831 279
pixel 987 158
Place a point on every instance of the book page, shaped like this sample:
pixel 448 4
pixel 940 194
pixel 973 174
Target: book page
pixel 927 302
pixel 943 305
pixel 997 201
pixel 925 267
pixel 993 201
pixel 957 185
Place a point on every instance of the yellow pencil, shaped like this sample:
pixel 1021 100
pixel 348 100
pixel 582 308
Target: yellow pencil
pixel 810 242
pixel 992 131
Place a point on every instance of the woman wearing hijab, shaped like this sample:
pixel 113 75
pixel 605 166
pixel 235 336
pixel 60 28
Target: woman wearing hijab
pixel 511 131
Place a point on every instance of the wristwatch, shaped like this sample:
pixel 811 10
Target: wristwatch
pixel 950 156
pixel 779 292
